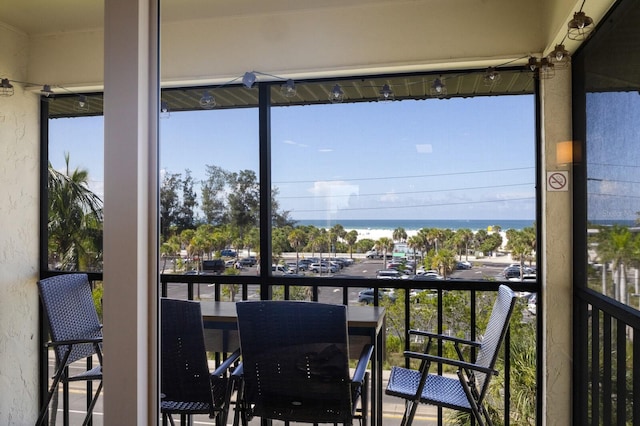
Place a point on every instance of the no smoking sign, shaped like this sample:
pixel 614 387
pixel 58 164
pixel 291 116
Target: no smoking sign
pixel 557 181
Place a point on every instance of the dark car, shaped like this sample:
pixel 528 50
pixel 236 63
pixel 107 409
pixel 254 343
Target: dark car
pixel 215 266
pixel 228 253
pixel 514 271
pixel 366 296
pixel 248 261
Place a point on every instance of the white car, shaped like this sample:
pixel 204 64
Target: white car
pixel 391 274
pixel 322 267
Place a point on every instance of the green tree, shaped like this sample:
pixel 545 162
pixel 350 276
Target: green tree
pixel 444 261
pixel 337 231
pixel 384 245
pixel 298 239
pixel 351 238
pixel 169 249
pixel 214 206
pixel 185 212
pixel 616 245
pixel 399 234
pixel 463 238
pixel 244 200
pixel 75 219
pixel 169 203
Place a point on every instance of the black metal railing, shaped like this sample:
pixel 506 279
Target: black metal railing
pixel 607 361
pixel 474 298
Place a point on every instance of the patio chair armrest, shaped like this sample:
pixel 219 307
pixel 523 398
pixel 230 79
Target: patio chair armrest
pixel 238 372
pixel 449 361
pixel 226 364
pixel 361 367
pixel 445 338
pixel 72 342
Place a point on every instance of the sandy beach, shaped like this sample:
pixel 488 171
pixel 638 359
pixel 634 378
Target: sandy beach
pixel 376 234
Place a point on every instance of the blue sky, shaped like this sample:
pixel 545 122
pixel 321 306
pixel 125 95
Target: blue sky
pixel 430 159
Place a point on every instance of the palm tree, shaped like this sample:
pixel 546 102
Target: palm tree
pixel 414 243
pixel 384 244
pixel 297 238
pixel 399 234
pixel 351 238
pixel 169 248
pixel 616 245
pixel 75 218
pixel 337 231
pixel 445 261
pixel 464 236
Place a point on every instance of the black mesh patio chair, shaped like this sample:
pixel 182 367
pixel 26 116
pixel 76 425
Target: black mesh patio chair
pixel 295 364
pixel 467 391
pixel 75 331
pixel 187 386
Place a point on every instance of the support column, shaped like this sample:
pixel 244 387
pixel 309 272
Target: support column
pixel 557 247
pixel 130 213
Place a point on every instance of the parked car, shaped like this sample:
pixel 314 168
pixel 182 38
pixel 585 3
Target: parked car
pixel 390 274
pixel 429 276
pixel 215 266
pixel 514 271
pixel 248 261
pixel 463 265
pixel 525 278
pixel 366 296
pixel 282 269
pixel 228 253
pixel 323 267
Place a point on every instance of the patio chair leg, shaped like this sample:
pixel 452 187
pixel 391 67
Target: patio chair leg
pixel 409 413
pixel 87 419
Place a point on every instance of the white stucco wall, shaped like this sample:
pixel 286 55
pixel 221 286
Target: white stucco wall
pixel 557 246
pixel 19 178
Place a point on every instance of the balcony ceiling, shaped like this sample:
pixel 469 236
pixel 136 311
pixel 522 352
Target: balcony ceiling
pixel 460 84
pixel 38 17
pixel 46 16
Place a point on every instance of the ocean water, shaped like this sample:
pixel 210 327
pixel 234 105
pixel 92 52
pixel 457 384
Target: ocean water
pixel 414 225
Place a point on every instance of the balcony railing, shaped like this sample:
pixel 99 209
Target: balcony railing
pixel 607 361
pixel 450 306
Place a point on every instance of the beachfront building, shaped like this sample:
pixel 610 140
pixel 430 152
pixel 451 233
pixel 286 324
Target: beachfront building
pixel 265 65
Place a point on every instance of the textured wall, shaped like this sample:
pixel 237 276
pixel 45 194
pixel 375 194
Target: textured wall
pixel 19 158
pixel 557 249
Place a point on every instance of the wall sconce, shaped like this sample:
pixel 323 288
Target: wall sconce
pixel 6 88
pixel 207 101
pixel 564 153
pixel 288 89
pixel 580 26
pixel 386 94
pixel 336 95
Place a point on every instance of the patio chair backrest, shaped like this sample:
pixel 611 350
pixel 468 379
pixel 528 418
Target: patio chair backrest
pixel 184 368
pixel 494 334
pixel 71 313
pixel 296 360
